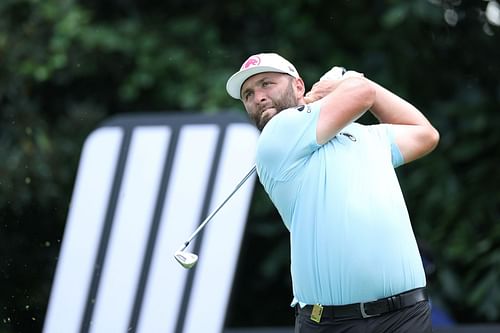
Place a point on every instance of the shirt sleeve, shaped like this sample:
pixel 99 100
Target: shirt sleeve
pixel 386 134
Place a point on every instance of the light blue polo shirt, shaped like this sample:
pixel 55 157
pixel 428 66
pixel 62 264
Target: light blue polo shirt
pixel 350 233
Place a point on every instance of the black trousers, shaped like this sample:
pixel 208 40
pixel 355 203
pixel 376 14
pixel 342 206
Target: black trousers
pixel 413 319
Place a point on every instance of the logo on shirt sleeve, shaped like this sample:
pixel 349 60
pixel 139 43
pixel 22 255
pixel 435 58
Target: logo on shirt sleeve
pixel 303 107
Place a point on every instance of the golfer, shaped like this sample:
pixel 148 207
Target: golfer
pixel 355 264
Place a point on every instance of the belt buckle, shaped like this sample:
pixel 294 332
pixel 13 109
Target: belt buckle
pixel 363 312
pixel 316 313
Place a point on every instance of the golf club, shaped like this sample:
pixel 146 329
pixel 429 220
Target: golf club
pixel 187 259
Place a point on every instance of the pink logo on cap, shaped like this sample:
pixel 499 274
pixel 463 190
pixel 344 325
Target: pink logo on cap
pixel 252 61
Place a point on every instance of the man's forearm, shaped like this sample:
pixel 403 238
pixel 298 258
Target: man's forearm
pixel 392 109
pixel 413 133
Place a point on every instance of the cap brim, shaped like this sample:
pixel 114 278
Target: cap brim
pixel 235 82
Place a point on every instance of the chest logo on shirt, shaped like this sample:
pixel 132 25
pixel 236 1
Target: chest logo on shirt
pixel 350 136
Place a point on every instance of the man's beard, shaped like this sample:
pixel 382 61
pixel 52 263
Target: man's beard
pixel 285 101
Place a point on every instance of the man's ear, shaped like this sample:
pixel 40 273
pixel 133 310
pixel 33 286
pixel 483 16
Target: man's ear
pixel 300 87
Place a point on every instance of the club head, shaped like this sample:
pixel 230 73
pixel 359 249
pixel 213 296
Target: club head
pixel 186 259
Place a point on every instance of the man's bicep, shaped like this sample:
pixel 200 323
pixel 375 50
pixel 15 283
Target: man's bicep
pixel 343 106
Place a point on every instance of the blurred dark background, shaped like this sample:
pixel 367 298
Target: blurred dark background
pixel 66 65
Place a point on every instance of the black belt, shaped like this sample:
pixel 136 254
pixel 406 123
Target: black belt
pixel 368 309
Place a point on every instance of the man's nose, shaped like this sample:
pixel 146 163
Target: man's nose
pixel 260 96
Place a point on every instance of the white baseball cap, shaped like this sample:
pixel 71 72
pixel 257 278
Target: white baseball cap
pixel 258 63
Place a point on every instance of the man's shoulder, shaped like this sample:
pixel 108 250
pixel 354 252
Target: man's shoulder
pixel 296 110
pixel 285 117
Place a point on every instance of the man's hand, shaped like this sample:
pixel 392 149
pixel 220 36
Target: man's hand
pixel 320 89
pixel 328 83
pixel 335 73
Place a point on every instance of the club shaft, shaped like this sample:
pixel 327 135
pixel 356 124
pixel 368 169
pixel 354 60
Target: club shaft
pixel 216 210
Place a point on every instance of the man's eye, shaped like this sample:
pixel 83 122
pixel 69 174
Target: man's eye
pixel 266 83
pixel 247 96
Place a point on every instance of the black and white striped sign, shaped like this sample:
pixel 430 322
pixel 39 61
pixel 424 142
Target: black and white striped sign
pixel 144 183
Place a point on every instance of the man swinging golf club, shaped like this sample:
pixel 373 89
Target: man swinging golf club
pixel 355 264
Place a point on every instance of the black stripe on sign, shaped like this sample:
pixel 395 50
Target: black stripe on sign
pixel 153 232
pixel 204 213
pixel 106 232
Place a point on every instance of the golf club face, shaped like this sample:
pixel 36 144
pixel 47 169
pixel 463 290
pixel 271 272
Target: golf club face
pixel 186 259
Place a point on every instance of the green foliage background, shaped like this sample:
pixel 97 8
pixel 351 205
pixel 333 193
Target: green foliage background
pixel 66 65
